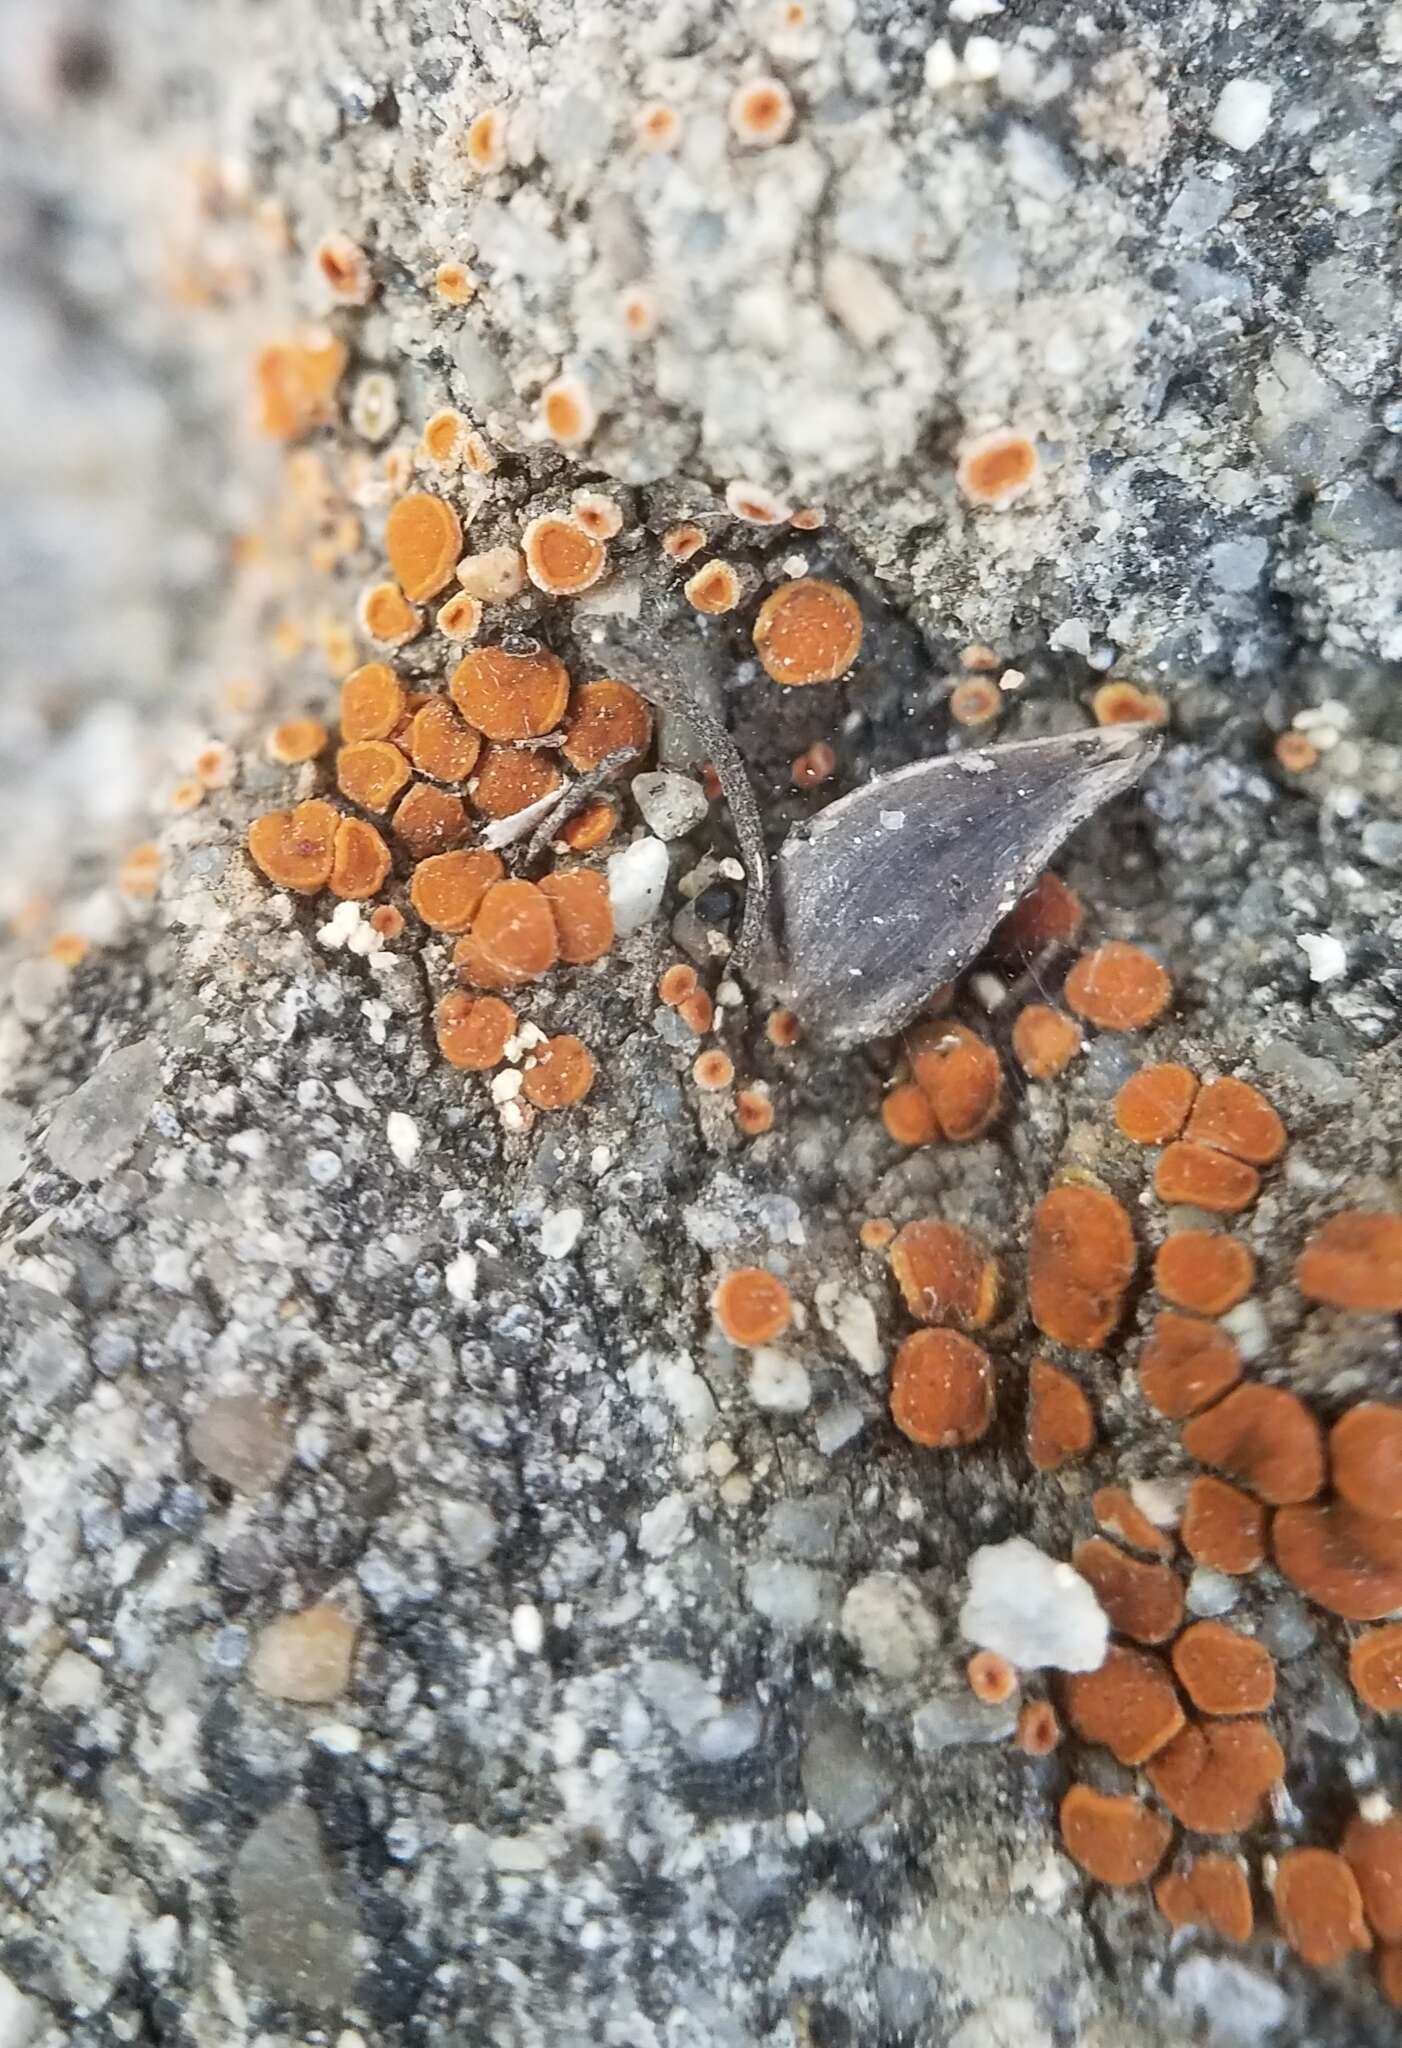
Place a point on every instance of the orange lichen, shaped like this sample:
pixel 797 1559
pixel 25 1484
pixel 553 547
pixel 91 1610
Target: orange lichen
pixel 1223 1527
pixel 597 514
pixel 423 539
pixel 1204 1178
pixel 472 1031
pixel 697 1011
pixel 1372 1850
pixel 590 828
pixel 1296 753
pixel 1186 1364
pixel 1115 1509
pixel 372 703
pixel 908 1116
pixel 567 412
pixel 371 773
pixel 752 1307
pixel 714 589
pixel 510 779
pixel 1045 1041
pixel 1143 1601
pixel 712 1071
pixel 484 144
pixel 761 112
pixel 296 849
pixel 975 701
pixel 562 557
pixel 388 921
pixel 1119 1841
pixel 1204 1270
pixel 296 740
pixel 1127 704
pixel 69 949
pixel 1223 1671
pixel 561 1073
pixel 1365 1458
pixel 215 765
pixel 514 933
pixel 1216 1779
pixel 510 696
pixel 1118 987
pixel 579 902
pixel 754 1111
pixel 1354 1261
pixel 876 1233
pixel 682 542
pixel 963 1080
pixel 440 744
pixel 605 718
pixel 808 631
pixel 808 518
pixel 429 821
pixel 1326 1554
pixel 361 860
pixel 1050 914
pixel 1038 1728
pixel 1264 1436
pixel 942 1389
pixel 782 1028
pixel 992 1678
pixel 997 468
pixel 186 795
pixel 1390 1974
pixel 295 383
pixel 1128 1706
pixel 676 983
pixel 385 615
pixel 140 871
pixel 344 268
pixel 1152 1106
pixel 1319 1907
pixel 460 618
pixel 1375 1666
pixel 1060 1426
pixel 1236 1118
pixel 656 126
pixel 1081 1260
pixel 444 432
pixel 638 312
pixel 945 1275
pixel 454 283
pixel 1211 1892
pixel 814 765
pixel 447 889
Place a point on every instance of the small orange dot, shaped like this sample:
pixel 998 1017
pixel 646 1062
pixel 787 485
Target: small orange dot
pixel 809 519
pixel 345 268
pixel 590 828
pixel 485 142
pixel 761 113
pixel 908 1116
pixel 992 1678
pixel 714 589
pixel 713 1070
pixel 387 921
pixel 1127 704
pixel 783 1028
pixel 385 617
pixel 68 948
pixel 676 983
pixel 752 1307
pixel 460 618
pixel 975 702
pixel 473 1031
pixel 454 283
pixel 1296 753
pixel 597 514
pixel 656 126
pixel 978 658
pixel 1038 1728
pixel 754 1111
pixel 808 631
pixel 639 312
pixel 561 1074
pixel 998 468
pixel 444 432
pixel 876 1233
pixel 697 1011
pixel 567 412
pixel 814 765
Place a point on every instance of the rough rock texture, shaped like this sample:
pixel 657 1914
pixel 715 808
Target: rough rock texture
pixel 655 1733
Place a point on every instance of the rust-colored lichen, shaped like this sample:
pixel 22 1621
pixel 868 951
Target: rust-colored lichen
pixel 908 1116
pixel 945 1275
pixel 963 1078
pixel 567 411
pixel 656 126
pixel 484 142
pixel 1354 1261
pixel 1143 1601
pixel 714 589
pixel 754 1111
pixel 386 616
pixel 1204 1178
pixel 1129 1706
pixel 713 1071
pixel 511 779
pixel 472 1031
pixel 1060 1425
pixel 1365 1459
pixel 942 1389
pixel 344 268
pixel 1326 1554
pixel 997 469
pixel 1223 1527
pixel 597 513
pixel 590 828
pixel 1319 1907
pixel 1236 1118
pixel 1186 1364
pixel 1118 1841
pixel 460 618
pixel 1115 1509
pixel 1152 1106
pixel 295 383
pixel 360 861
pixel 296 849
pixel 697 1011
pixel 444 434
pixel 1050 914
pixel 808 631
pixel 992 1678
pixel 680 543
pixel 1372 1849
pixel 1375 1666
pixel 1217 1778
pixel 423 539
pixel 876 1233
pixel 605 718
pixel 1038 1728
pixel 782 1028
pixel 440 744
pixel 676 983
pixel 1296 753
pixel 1264 1436
pixel 1211 1892
pixel 976 701
pixel 513 937
pixel 296 740
pixel 751 1306
pixel 761 112
pixel 562 557
pixel 1118 987
pixel 579 902
pixel 447 888
pixel 1204 1270
pixel 454 283
pixel 1081 1260
pixel 813 766
pixel 372 703
pixel 510 696
pixel 1119 703
pixel 1223 1671
pixel 561 1073
pixel 430 821
pixel 1045 1041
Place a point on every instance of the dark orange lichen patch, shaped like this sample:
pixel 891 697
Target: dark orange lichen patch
pixel 423 539
pixel 1118 703
pixel 1153 1104
pixel 430 821
pixel 1264 1436
pixel 1223 1527
pixel 1080 1262
pixel 296 849
pixel 344 268
pixel 388 921
pixel 1216 1779
pixel 751 1306
pixel 510 696
pixel 1390 1974
pixel 561 1073
pixel 1186 1364
pixel 782 1028
pixel 1324 1552
pixel 992 1678
pixel 579 902
pixel 1354 1261
pixel 876 1233
pixel 1050 914
pixel 1045 1041
pixel 372 702
pixel 964 1081
pixel 473 1031
pixel 295 383
pixel 1319 1907
pixel 1060 1426
pixel 942 1389
pixel 447 888
pixel 605 718
pixel 1204 1178
pixel 1118 1841
pixel 386 615
pixel 813 766
pixel 1129 1706
pixel 754 1111
pixel 1114 1509
pixel 808 631
pixel 440 744
pixel 360 862
pixel 1375 1666
pixel 908 1116
pixel 1372 1850
pixel 945 1275
pixel 713 1071
pixel 371 773
pixel 1365 1459
pixel 714 589
pixel 1143 1601
pixel 1223 1671
pixel 1038 1728
pixel 514 933
pixel 590 828
pixel 1236 1118
pixel 676 983
pixel 1211 1892
pixel 1118 987
pixel 562 557
pixel 697 1011
pixel 976 701
pixel 296 740
pixel 510 779
pixel 996 469
pixel 680 543
pixel 1204 1270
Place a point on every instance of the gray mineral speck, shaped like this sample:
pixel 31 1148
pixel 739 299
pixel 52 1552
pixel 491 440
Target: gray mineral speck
pixel 845 1775
pixel 952 1719
pixel 297 1927
pixel 96 1126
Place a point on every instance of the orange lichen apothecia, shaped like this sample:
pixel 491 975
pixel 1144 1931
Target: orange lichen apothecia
pixel 945 1275
pixel 1045 1041
pixel 1117 1510
pixel 1050 914
pixel 563 558
pixel 605 718
pixel 1186 1364
pixel 360 861
pixel 372 703
pixel 1081 1261
pixel 510 779
pixel 1038 1728
pixel 761 113
pixel 429 821
pixel 975 702
pixel 1204 1270
pixel 386 616
pixel 1120 1841
pixel 1127 704
pixel 560 1074
pixel 296 740
pixel 1264 1436
pixel 1211 1892
pixel 1060 1425
pixel 1354 1262
pixel 1319 1907
pixel 1118 987
pixel 752 1307
pixel 567 412
pixel 942 1389
pixel 1223 1527
pixel 473 1031
pixel 808 631
pixel 460 618
pixel 1128 1706
pixel 714 589
pixel 447 889
pixel 1152 1106
pixel 440 744
pixel 423 539
pixel 513 938
pixel 371 773
pixel 754 1111
pixel 1217 1778
pixel 579 902
pixel 992 1678
pixel 908 1116
pixel 998 468
pixel 1236 1118
pixel 1204 1178
pixel 510 696
pixel 713 1071
pixel 296 849
pixel 1143 1601
pixel 1223 1671
pixel 1365 1459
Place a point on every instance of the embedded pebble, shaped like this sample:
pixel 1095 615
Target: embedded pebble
pixel 672 805
pixel 305 1657
pixel 1032 1609
pixel 95 1127
pixel 779 1381
pixel 637 879
pixel 242 1440
pixel 889 1625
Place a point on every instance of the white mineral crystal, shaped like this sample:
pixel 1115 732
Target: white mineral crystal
pixel 889 1625
pixel 1032 1609
pixel 779 1382
pixel 403 1135
pixel 1242 113
pixel 671 804
pixel 559 1232
pixel 1325 954
pixel 637 881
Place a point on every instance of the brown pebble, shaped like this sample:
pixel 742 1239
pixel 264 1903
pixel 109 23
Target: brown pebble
pixel 304 1657
pixel 243 1440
